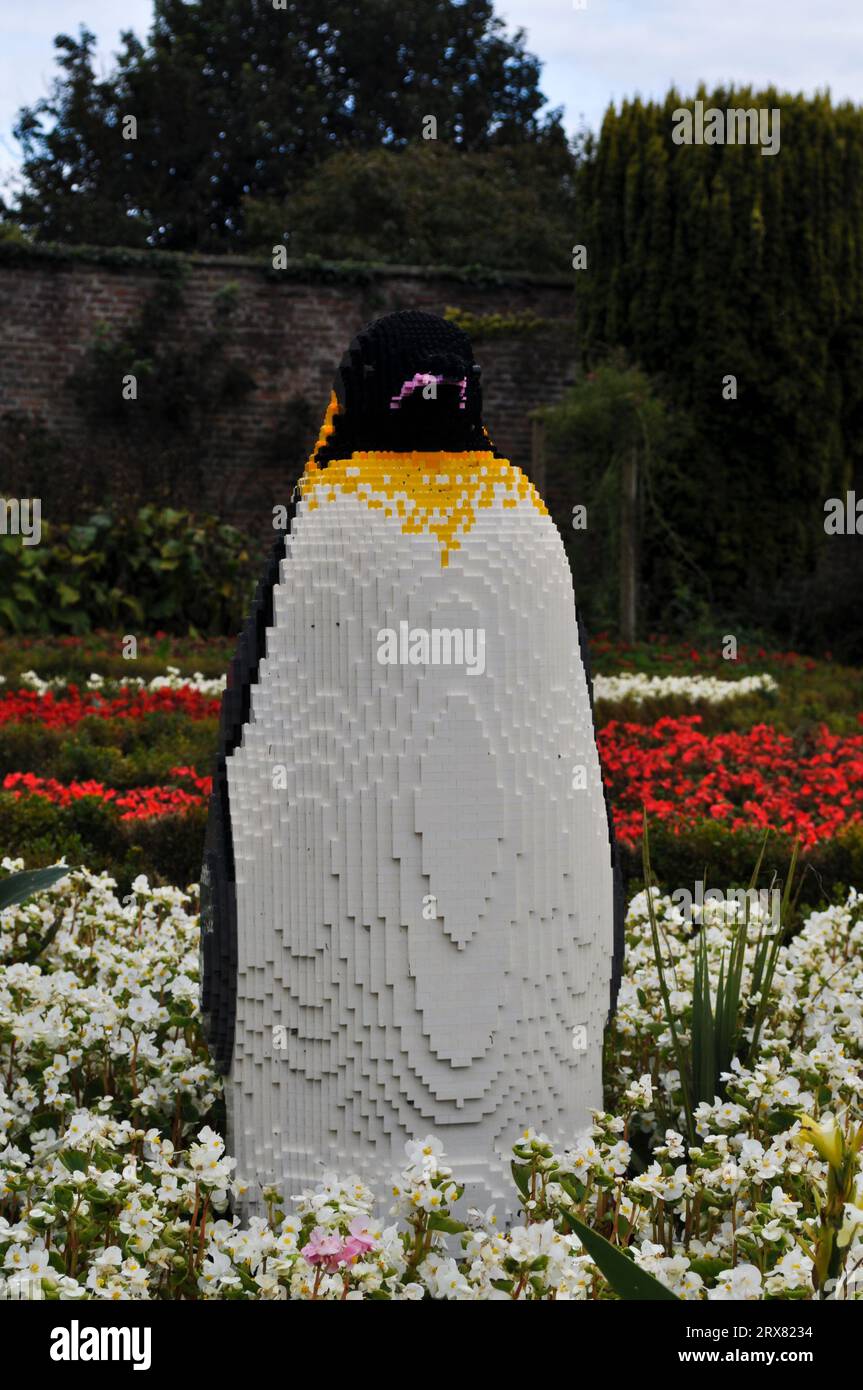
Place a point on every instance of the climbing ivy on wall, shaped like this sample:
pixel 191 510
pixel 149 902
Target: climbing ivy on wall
pixel 179 382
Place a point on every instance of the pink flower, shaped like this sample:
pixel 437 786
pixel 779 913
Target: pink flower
pixel 331 1250
pixel 324 1248
pixel 358 1241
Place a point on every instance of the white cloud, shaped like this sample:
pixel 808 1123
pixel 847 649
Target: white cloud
pixel 617 48
pixel 27 60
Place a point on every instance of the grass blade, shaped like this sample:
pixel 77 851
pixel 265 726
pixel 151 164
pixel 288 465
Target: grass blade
pixel 623 1274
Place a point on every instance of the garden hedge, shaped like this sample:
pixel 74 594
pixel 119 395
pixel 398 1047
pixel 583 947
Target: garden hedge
pixel 168 849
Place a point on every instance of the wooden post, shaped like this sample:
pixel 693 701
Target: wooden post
pixel 628 544
pixel 537 454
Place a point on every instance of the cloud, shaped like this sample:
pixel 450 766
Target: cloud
pixel 27 60
pixel 617 48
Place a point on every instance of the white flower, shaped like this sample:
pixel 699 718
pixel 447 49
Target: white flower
pixel 444 1279
pixel 743 1282
pixel 172 680
pixel 782 1204
pixel 794 1270
pixel 423 1154
pixel 582 1158
pixel 637 687
pixel 217 1270
pixel 141 1169
pixel 142 1008
pixel 641 1092
pixel 675 1144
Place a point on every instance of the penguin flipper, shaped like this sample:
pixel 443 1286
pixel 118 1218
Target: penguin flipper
pixel 218 880
pixel 618 889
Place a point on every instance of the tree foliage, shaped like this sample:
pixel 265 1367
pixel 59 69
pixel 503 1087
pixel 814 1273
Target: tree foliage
pixel 241 102
pixel 509 208
pixel 606 415
pixel 713 260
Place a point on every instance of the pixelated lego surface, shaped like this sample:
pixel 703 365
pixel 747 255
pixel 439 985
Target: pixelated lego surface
pixel 421 923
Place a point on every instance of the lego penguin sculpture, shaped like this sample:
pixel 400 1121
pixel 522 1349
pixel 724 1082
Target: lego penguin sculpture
pixel 412 918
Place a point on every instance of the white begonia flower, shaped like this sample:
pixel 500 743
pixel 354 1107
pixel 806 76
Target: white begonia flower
pixel 67 1013
pixel 743 1282
pixel 675 1144
pixel 640 1092
pixel 637 687
pixel 782 1204
pixel 794 1270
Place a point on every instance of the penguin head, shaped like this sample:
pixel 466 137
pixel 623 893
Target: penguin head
pixel 408 382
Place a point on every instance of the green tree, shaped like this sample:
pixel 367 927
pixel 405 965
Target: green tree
pixel 429 205
pixel 710 261
pixel 241 102
pixel 611 426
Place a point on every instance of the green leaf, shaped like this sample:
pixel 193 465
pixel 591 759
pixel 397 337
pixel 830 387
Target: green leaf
pixel 572 1187
pixel 445 1223
pixel 709 1266
pixel 623 1274
pixel 17 887
pixel 679 1053
pixel 42 944
pixel 74 1160
pixel 134 606
pixel 82 536
pixel 521 1177
pixel 8 608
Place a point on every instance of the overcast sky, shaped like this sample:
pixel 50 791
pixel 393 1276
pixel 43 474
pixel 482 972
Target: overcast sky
pixel 603 52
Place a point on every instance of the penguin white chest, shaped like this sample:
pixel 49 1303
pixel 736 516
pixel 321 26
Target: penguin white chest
pixel 423 877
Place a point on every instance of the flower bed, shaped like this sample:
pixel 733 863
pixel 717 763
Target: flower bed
pixel 141 803
pixel 142 748
pixel 114 1182
pixel 638 688
pixel 111 772
pixel 67 710
pixel 760 778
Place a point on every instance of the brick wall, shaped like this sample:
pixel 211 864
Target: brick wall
pixel 287 329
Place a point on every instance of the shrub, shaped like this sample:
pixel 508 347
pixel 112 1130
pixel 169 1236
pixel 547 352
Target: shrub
pixel 723 859
pixel 118 752
pixel 161 568
pixel 74 658
pixel 167 848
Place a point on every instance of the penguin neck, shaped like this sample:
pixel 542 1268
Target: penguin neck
pixel 371 461
pixel 433 495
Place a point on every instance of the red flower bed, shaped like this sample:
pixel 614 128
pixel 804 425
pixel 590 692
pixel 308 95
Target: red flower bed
pixel 61 711
pixel 679 774
pixel 760 778
pixel 140 803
